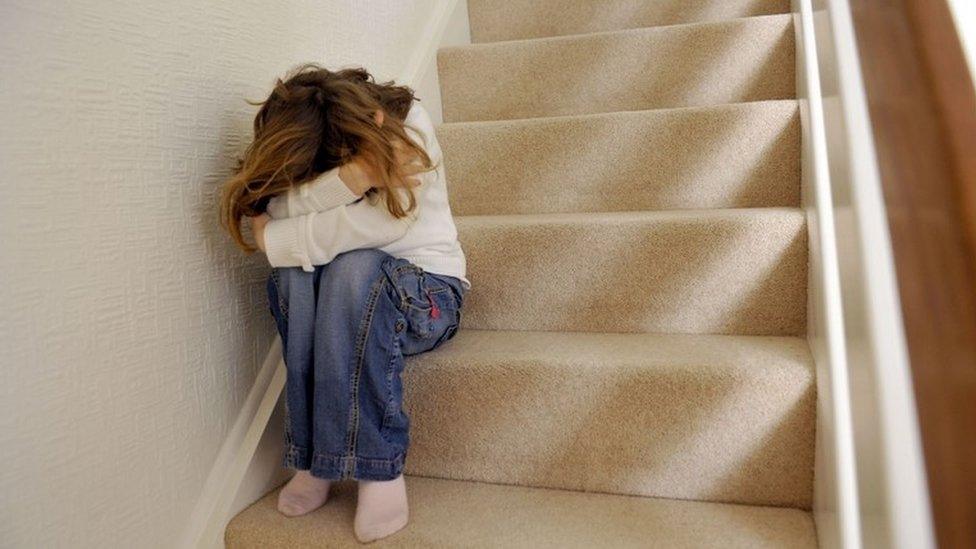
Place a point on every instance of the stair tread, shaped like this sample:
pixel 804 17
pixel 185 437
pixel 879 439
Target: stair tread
pixel 446 513
pixel 725 156
pixel 523 408
pixel 690 109
pixel 733 61
pixel 688 214
pixel 751 355
pixel 635 31
pixel 497 20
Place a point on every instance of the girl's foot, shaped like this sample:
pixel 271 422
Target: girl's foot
pixel 381 509
pixel 303 494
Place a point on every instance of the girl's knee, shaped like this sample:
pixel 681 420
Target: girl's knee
pixel 367 258
pixel 355 271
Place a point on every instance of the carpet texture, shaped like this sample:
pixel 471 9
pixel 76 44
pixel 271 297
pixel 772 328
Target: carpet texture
pixel 625 177
pixel 497 20
pixel 451 514
pixel 725 156
pixel 680 66
pixel 685 271
pixel 717 418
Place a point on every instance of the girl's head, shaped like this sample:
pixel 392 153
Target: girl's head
pixel 314 121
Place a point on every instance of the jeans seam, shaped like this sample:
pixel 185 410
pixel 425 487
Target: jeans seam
pixel 282 306
pixel 408 267
pixel 296 457
pixel 329 455
pixel 390 411
pixel 352 437
pixel 303 458
pixel 289 435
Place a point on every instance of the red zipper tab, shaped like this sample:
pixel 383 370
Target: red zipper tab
pixel 435 311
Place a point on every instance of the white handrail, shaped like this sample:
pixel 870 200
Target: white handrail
pixel 835 492
pixel 893 504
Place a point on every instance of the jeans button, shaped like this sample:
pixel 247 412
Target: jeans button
pixel 399 325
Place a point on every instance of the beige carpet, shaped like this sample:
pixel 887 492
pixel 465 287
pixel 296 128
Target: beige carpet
pixel 681 66
pixel 451 514
pixel 725 156
pixel 632 369
pixel 497 20
pixel 718 418
pixel 688 271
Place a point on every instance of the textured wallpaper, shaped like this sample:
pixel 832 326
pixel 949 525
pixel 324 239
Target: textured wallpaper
pixel 130 327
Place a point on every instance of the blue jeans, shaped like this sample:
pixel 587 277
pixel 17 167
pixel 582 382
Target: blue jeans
pixel 345 329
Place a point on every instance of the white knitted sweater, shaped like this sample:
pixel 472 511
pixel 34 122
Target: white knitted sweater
pixel 320 219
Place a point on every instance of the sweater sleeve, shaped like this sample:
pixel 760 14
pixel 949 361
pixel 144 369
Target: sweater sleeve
pixel 324 192
pixel 316 238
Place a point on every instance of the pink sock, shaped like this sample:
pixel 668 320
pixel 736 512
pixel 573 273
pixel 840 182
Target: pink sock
pixel 381 509
pixel 303 494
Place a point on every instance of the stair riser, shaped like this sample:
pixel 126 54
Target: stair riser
pixel 735 156
pixel 496 20
pixel 742 272
pixel 688 65
pixel 740 434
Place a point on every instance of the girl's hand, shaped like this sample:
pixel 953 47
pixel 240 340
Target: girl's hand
pixel 359 176
pixel 410 165
pixel 258 223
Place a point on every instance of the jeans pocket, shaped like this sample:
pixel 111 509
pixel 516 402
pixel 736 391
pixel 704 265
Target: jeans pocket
pixel 449 333
pixel 429 302
pixel 448 316
pixel 416 299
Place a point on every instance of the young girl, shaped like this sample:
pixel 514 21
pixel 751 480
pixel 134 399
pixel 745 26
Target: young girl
pixel 345 189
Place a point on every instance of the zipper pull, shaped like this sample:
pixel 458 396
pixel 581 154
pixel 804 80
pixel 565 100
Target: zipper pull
pixel 435 311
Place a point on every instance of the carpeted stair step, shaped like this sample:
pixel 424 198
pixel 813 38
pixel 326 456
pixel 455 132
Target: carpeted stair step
pixel 702 417
pixel 734 271
pixel 727 156
pixel 446 513
pixel 496 20
pixel 734 61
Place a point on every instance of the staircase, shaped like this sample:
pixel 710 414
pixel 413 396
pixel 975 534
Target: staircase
pixel 632 370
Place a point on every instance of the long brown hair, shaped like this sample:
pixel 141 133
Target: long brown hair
pixel 316 120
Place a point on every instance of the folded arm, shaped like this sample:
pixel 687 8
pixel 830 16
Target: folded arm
pixel 316 238
pixel 324 192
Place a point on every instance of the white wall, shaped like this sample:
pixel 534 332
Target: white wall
pixel 130 327
pixel 964 14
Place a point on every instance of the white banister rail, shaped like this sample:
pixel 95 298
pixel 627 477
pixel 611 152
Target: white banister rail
pixel 835 489
pixel 892 504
